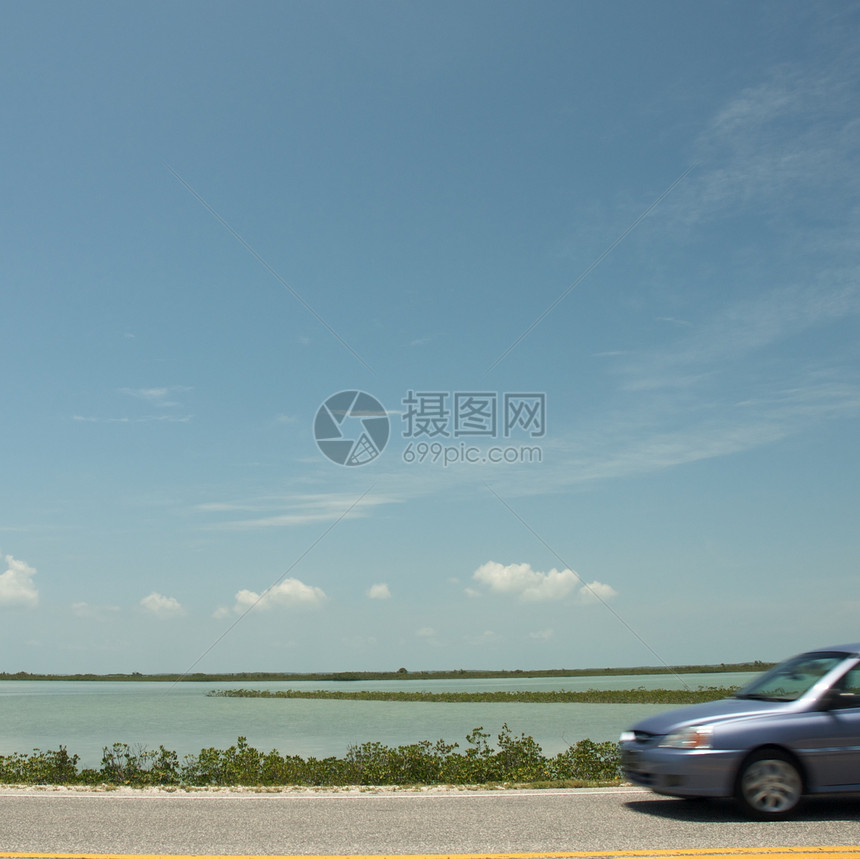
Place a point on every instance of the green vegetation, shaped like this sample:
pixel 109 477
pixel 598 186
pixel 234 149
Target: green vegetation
pixel 590 696
pixel 400 674
pixel 515 760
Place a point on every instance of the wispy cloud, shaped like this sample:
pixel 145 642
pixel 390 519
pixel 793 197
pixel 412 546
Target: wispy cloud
pixel 290 511
pixel 673 321
pixel 775 193
pixel 483 639
pixel 740 330
pixel 670 434
pixel 145 419
pixel 749 359
pixel 790 138
pixel 94 612
pixel 162 398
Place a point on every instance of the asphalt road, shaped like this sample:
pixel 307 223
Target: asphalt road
pixel 400 822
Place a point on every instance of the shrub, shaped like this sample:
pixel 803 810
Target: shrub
pixel 139 767
pixel 51 767
pixel 515 759
pixel 588 761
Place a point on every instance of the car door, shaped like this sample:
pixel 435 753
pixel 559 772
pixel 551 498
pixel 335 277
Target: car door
pixel 838 760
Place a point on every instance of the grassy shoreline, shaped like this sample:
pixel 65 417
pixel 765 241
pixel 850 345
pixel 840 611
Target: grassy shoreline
pixel 589 696
pixel 401 674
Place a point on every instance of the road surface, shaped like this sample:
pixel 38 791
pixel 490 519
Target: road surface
pixel 433 822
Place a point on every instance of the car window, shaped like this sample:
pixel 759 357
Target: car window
pixel 793 678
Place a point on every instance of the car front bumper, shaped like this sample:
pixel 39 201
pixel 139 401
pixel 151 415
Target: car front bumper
pixel 681 772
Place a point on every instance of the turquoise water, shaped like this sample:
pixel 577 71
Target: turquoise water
pixel 86 716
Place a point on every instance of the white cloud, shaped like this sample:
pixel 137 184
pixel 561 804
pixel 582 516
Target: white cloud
pixel 162 606
pixel 285 594
pixel 541 635
pixel 16 584
pixel 595 592
pixel 379 592
pixel 426 632
pixel 530 585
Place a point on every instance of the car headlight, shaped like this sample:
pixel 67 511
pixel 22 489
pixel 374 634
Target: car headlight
pixel 627 737
pixel 694 737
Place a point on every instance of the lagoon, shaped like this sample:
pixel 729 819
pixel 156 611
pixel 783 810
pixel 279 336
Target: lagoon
pixel 86 716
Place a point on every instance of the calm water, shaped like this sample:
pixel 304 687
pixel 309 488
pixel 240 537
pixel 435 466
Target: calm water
pixel 85 717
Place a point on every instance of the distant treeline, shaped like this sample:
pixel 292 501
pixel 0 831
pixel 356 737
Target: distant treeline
pixel 589 696
pixel 400 674
pixel 514 760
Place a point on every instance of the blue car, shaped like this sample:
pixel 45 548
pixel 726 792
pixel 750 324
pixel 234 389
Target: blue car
pixel 793 731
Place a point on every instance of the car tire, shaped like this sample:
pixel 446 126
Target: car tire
pixel 769 785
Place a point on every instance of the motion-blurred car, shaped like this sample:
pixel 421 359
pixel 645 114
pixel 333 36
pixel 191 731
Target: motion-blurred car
pixel 793 731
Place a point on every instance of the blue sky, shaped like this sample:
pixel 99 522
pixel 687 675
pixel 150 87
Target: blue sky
pixel 217 215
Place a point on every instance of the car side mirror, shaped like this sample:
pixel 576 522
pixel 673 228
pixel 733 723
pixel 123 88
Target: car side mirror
pixel 829 700
pixel 835 699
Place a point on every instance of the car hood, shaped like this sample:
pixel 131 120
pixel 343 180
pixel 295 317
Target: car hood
pixel 709 712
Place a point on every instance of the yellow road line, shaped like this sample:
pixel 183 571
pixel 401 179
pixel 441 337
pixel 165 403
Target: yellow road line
pixel 845 852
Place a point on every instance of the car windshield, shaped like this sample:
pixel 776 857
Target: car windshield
pixel 793 678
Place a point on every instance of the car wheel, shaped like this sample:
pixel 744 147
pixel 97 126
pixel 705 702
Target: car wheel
pixel 769 785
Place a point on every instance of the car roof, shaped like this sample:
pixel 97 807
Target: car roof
pixel 853 649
